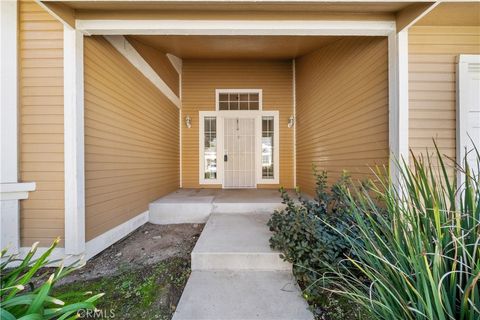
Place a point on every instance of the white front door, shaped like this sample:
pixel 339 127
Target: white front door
pixel 239 152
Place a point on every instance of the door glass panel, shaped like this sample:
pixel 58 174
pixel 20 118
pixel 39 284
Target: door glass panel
pixel 210 147
pixel 267 147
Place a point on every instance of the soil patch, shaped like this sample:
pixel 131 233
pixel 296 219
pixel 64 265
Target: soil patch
pixel 142 276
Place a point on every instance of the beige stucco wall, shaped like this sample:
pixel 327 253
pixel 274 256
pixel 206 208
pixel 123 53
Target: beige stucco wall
pixel 433 51
pixel 342 109
pixel 131 139
pixel 200 79
pixel 41 124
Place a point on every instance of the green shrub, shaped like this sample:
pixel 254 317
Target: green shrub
pixel 20 299
pixel 422 260
pixel 301 232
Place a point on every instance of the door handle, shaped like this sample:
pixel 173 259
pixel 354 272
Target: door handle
pixel 225 158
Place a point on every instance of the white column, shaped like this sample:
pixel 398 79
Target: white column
pixel 398 102
pixel 10 190
pixel 74 142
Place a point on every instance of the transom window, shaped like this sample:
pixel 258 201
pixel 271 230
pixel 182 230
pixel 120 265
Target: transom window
pixel 238 99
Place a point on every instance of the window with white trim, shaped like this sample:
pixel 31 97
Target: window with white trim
pixel 238 99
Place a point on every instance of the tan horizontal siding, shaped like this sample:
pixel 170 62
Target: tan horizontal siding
pixel 342 109
pixel 131 140
pixel 200 79
pixel 41 124
pixel 433 51
pixel 159 62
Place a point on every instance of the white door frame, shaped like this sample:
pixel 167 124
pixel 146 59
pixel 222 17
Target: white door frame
pixel 257 115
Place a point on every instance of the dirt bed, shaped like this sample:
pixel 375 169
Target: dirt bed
pixel 143 275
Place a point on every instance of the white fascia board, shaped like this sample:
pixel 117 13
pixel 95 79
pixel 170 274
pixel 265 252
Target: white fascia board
pixel 236 27
pixel 128 51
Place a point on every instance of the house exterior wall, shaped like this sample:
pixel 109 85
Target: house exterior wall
pixel 131 139
pixel 433 51
pixel 342 109
pixel 200 78
pixel 41 124
pixel 159 62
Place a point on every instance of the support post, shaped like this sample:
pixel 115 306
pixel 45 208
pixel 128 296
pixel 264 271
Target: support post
pixel 398 101
pixel 74 142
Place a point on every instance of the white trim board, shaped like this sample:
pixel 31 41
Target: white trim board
pixel 294 102
pixel 398 103
pixel 176 62
pixel 467 66
pixel 16 191
pixel 74 157
pixel 105 240
pixel 94 246
pixel 128 51
pixel 236 27
pixel 10 191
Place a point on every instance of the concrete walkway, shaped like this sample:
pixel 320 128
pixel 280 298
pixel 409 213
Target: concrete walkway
pixel 235 274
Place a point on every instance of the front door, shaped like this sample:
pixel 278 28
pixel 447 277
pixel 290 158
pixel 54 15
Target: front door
pixel 239 153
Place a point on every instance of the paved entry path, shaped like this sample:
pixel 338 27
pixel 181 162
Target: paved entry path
pixel 235 274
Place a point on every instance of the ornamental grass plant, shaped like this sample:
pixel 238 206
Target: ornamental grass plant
pixel 420 260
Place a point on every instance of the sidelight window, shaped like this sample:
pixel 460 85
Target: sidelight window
pixel 268 146
pixel 210 148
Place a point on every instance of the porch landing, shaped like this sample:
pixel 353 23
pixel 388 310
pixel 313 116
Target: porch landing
pixel 196 205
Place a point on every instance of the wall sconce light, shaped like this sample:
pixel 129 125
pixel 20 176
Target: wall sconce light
pixel 188 122
pixel 291 121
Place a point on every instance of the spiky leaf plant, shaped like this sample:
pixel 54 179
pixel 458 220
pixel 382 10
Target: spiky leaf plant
pixel 21 299
pixel 422 259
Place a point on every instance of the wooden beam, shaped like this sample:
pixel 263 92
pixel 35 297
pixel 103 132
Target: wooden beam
pixel 407 17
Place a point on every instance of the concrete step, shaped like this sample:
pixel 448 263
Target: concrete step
pixel 236 242
pixel 174 210
pixel 196 205
pixel 242 295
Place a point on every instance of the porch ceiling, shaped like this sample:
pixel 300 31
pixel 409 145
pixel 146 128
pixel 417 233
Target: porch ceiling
pixel 236 47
